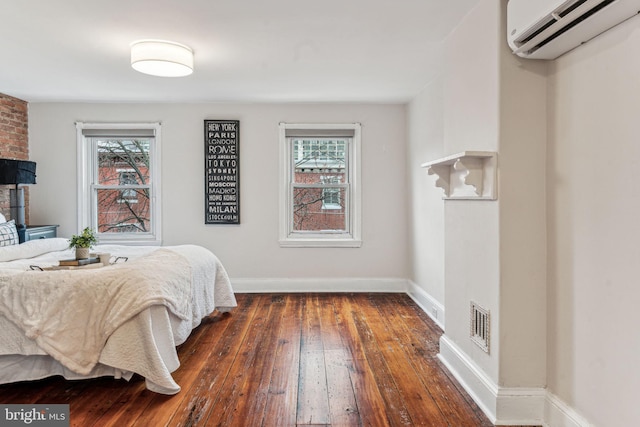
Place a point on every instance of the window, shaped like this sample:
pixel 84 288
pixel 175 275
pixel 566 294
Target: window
pixel 128 178
pixel 331 194
pixel 119 182
pixel 320 189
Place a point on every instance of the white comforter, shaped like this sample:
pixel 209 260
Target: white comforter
pixel 139 334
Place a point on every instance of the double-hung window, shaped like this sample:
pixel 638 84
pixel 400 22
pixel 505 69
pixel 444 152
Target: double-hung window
pixel 119 181
pixel 320 185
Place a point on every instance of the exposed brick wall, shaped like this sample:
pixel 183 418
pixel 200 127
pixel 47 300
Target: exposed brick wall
pixel 14 142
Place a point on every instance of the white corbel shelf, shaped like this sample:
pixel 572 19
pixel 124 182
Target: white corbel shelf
pixel 468 175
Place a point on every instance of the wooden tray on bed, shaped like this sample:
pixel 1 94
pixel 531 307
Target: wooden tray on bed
pixel 67 267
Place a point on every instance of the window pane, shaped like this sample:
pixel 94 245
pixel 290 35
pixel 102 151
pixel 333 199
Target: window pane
pixel 123 211
pixel 314 158
pixel 319 209
pixel 123 161
pixel 128 178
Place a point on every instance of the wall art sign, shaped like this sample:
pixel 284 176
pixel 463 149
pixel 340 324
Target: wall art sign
pixel 222 171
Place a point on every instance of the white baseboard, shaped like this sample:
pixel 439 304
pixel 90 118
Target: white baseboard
pixel 558 414
pixel 520 406
pixel 427 303
pixel 502 405
pixel 505 405
pixel 481 389
pixel 319 285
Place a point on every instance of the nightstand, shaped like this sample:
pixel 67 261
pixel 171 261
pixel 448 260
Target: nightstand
pixel 34 232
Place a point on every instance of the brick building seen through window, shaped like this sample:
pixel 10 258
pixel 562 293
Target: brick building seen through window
pixel 319 190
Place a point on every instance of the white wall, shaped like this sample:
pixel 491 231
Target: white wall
pixel 426 240
pixel 594 227
pixel 494 251
pixel 471 122
pixel 523 239
pixel 454 245
pixel 249 250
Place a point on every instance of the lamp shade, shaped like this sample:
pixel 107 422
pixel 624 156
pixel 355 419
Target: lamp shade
pixel 161 58
pixel 17 172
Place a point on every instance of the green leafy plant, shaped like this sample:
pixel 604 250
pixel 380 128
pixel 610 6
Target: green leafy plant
pixel 86 239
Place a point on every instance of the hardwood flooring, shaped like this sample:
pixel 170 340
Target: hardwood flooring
pixel 286 360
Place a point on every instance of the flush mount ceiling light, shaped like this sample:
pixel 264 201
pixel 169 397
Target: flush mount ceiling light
pixel 161 58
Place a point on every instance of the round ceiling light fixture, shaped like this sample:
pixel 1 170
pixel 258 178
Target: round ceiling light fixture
pixel 161 58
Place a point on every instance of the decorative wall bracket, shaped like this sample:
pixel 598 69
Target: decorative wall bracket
pixel 467 175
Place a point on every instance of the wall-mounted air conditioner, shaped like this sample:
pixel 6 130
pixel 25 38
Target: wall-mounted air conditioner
pixel 545 29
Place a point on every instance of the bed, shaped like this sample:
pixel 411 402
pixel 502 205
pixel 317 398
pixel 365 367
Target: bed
pixel 115 320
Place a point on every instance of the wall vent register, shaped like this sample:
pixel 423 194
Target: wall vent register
pixel 480 326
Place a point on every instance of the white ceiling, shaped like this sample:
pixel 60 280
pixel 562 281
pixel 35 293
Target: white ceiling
pixel 245 50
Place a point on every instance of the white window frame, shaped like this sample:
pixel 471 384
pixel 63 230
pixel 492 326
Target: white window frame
pixel 87 215
pixel 351 238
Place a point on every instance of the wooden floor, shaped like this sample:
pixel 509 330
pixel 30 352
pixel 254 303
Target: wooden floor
pixel 286 360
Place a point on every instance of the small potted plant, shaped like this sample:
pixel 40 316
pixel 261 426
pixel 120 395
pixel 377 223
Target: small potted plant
pixel 83 242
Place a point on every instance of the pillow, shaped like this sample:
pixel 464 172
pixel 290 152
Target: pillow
pixel 8 234
pixel 2 218
pixel 33 248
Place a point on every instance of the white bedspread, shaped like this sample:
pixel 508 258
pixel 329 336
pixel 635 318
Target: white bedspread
pixel 140 336
pixel 102 300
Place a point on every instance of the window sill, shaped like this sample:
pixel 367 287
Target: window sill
pixel 320 243
pixel 130 241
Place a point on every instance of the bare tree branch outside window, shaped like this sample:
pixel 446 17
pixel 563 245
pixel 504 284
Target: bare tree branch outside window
pixel 124 187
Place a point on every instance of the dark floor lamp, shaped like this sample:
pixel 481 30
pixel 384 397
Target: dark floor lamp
pixel 17 172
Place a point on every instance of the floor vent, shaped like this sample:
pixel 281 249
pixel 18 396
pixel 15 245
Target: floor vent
pixel 480 326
